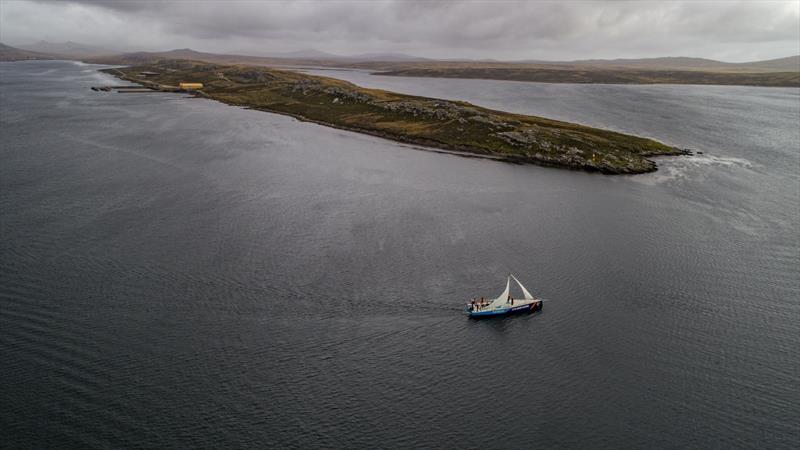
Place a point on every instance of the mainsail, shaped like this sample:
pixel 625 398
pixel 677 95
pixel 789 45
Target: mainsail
pixel 528 295
pixel 503 297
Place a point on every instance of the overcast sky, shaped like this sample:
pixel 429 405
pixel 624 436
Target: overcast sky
pixel 724 30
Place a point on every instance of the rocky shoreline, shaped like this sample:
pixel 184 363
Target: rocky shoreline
pixel 435 124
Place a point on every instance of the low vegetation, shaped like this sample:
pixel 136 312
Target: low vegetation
pixel 444 124
pixel 605 75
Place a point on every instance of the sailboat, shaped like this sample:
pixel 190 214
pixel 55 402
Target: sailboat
pixel 504 304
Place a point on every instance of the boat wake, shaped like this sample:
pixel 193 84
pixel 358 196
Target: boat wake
pixel 679 168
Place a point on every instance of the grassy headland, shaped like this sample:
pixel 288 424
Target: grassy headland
pixel 604 75
pixel 444 124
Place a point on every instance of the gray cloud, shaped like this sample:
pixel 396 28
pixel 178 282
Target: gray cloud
pixel 733 31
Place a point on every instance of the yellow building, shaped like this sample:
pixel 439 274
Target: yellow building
pixel 190 86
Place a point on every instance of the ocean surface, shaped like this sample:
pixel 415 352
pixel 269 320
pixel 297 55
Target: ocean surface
pixel 175 272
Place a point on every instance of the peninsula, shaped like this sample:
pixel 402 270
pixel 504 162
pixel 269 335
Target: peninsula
pixel 442 124
pixel 605 75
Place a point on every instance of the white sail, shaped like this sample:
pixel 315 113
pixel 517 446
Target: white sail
pixel 528 295
pixel 501 301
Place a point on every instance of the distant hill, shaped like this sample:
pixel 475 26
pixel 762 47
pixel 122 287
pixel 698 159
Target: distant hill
pixel 9 53
pixel 187 53
pixel 385 57
pixel 672 70
pixel 788 64
pixel 603 75
pixel 193 55
pixel 68 48
pixel 320 55
pixel 669 62
pixel 401 61
pixel 179 53
pixel 305 54
pixel 392 61
pixel 220 58
pixel 299 58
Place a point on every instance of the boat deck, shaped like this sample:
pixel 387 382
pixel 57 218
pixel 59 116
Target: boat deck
pixel 519 306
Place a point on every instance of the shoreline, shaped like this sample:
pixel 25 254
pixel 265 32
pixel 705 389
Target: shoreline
pixel 613 143
pixel 617 77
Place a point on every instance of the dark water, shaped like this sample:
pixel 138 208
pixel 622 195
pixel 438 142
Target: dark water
pixel 177 272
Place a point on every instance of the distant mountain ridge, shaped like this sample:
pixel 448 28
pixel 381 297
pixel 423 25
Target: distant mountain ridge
pixel 9 53
pixel 296 57
pixel 193 55
pixel 388 61
pixel 787 64
pixel 68 48
pixel 362 57
pixel 387 57
pixel 780 72
pixel 308 53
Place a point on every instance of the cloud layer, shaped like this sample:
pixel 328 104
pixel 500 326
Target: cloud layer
pixel 732 31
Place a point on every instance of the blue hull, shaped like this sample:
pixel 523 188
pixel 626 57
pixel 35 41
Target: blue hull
pixel 507 311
